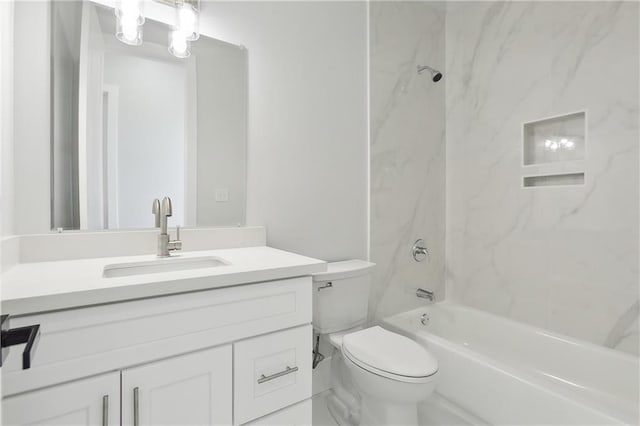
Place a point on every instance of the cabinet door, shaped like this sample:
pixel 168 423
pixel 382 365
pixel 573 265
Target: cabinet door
pixel 94 401
pixel 191 389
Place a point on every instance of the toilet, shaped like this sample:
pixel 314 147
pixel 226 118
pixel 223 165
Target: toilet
pixel 378 377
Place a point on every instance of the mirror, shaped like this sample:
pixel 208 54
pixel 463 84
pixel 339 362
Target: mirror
pixel 134 123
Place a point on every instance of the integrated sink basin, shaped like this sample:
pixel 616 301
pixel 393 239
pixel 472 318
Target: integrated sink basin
pixel 170 264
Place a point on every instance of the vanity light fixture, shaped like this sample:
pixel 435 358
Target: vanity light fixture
pixel 130 20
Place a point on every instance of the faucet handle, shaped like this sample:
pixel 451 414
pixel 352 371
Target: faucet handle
pixel 419 251
pixel 175 245
pixel 166 207
pixel 155 209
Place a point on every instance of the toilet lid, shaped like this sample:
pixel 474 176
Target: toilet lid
pixel 389 354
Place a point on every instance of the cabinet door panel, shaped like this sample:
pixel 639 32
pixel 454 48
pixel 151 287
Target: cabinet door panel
pixel 73 404
pixel 191 389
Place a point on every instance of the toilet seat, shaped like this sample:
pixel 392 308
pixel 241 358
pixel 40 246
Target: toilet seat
pixel 389 355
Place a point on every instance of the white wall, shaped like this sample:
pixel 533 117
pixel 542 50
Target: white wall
pixel 307 159
pixel 32 203
pixel 6 118
pixel 564 258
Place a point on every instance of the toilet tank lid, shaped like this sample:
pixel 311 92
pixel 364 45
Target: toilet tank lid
pixel 344 269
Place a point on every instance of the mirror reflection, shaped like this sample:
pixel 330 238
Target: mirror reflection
pixel 135 123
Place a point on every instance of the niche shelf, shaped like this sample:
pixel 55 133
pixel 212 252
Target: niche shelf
pixel 556 139
pixel 565 179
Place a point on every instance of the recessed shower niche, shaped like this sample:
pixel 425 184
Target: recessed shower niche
pixel 557 139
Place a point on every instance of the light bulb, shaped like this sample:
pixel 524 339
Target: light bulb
pixel 129 21
pixel 130 8
pixel 187 21
pixel 128 31
pixel 178 44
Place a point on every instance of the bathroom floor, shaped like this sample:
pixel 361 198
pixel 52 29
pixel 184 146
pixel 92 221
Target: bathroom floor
pixel 321 414
pixel 437 411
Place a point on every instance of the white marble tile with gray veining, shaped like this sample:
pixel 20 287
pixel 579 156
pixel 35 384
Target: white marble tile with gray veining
pixel 407 152
pixel 565 258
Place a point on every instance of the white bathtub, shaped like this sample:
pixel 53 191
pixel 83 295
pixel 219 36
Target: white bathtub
pixel 507 373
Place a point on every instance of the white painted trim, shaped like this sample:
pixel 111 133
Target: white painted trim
pixel 368 150
pixel 111 193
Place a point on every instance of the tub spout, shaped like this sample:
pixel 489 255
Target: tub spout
pixel 425 294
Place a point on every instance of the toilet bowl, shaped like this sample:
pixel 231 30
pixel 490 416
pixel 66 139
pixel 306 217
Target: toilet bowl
pixel 392 374
pixel 378 377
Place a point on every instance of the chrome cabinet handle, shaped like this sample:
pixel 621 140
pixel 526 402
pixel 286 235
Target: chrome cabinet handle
pixel 105 410
pixel 327 285
pixel 284 372
pixel 136 406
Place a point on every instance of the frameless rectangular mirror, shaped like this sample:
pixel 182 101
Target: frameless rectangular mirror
pixel 134 123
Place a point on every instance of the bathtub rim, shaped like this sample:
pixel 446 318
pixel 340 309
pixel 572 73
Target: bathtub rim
pixel 574 341
pixel 624 414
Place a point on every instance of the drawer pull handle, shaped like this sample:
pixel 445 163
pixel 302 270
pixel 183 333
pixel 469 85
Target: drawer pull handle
pixel 105 410
pixel 284 372
pixel 136 406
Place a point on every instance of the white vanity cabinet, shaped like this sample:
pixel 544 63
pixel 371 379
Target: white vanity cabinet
pixel 215 357
pixel 192 389
pixel 87 402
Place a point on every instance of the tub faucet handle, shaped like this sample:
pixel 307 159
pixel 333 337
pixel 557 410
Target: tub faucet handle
pixel 419 251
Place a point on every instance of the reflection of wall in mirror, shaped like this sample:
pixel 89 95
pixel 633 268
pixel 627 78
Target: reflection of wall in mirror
pixel 65 43
pixel 150 136
pixel 221 127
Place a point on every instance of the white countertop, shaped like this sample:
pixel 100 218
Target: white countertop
pixel 45 286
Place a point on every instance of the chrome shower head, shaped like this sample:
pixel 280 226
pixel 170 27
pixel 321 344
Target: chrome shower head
pixel 436 75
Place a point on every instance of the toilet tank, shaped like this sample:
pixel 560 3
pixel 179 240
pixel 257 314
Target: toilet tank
pixel 341 296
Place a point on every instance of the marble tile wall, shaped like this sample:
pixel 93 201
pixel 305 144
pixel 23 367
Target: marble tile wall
pixel 564 258
pixel 407 152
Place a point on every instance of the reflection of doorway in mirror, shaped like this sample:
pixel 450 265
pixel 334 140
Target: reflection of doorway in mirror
pixel 145 135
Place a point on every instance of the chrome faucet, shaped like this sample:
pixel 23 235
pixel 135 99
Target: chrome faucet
pixel 165 244
pixel 425 294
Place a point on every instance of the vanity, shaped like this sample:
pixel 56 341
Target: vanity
pixel 225 338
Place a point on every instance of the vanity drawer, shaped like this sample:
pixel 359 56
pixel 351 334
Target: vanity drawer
pixel 82 342
pixel 271 372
